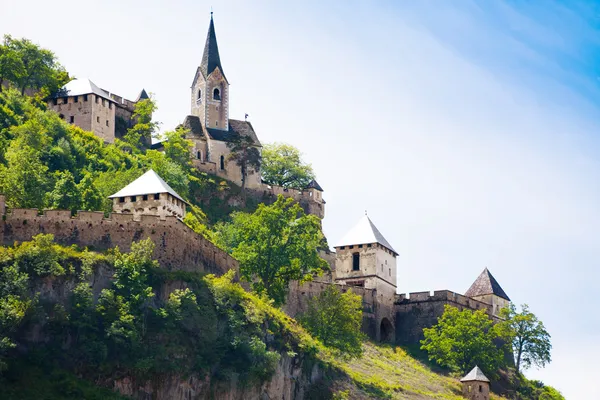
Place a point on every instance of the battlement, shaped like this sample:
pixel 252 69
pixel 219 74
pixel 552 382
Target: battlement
pixel 311 200
pixel 177 247
pixel 443 296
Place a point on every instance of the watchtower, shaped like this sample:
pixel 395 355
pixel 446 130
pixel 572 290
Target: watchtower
pixel 475 385
pixel 487 289
pixel 149 195
pixel 365 258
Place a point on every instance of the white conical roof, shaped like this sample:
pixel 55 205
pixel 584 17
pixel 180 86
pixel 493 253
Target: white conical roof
pixel 149 183
pixel 475 375
pixel 364 232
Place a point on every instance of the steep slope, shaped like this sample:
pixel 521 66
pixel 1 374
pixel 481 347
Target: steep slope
pixel 390 372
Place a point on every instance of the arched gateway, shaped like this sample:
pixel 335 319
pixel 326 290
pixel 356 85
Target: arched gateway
pixel 386 331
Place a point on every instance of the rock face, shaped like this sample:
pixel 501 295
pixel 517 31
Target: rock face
pixel 291 381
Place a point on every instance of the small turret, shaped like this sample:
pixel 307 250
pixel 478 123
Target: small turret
pixel 476 386
pixel 488 290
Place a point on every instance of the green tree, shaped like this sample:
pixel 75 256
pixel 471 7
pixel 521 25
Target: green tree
pixel 65 195
pixel 23 180
pixel 463 339
pixel 91 197
pixel 335 318
pixel 529 339
pixel 275 245
pixel 29 66
pixel 245 155
pixel 282 165
pixel 140 135
pixel 177 147
pixel 11 65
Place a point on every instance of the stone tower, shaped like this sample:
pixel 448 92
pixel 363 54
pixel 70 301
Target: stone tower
pixel 365 258
pixel 487 289
pixel 475 385
pixel 210 88
pixel 149 195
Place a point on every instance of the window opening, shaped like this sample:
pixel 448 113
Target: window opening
pixel 156 196
pixel 71 119
pixel 355 262
pixel 222 162
pixel 216 94
pixel 133 198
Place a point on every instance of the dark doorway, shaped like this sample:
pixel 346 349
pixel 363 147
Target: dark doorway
pixel 386 331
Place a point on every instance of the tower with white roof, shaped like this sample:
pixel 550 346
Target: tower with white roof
pixel 364 258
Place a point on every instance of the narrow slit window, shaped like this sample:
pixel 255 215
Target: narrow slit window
pixel 355 262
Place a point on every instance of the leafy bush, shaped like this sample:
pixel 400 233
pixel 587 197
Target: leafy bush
pixel 335 318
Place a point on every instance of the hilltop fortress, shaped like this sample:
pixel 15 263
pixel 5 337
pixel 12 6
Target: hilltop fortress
pixel 363 261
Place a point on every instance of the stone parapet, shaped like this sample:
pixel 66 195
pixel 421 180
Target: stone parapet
pixel 177 247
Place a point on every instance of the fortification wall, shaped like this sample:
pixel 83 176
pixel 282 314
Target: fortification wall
pixel 373 310
pixel 415 311
pixel 306 198
pixel 177 246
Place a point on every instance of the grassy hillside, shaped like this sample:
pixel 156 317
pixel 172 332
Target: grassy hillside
pixel 390 372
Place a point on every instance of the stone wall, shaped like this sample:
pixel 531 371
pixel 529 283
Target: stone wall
pixel 415 311
pixel 177 246
pixel 80 112
pixel 373 311
pixel 311 200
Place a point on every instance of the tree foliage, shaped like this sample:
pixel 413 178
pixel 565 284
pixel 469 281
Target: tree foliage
pixel 282 165
pixel 274 245
pixel 245 155
pixel 140 135
pixel 335 318
pixel 462 339
pixel 25 65
pixel 529 339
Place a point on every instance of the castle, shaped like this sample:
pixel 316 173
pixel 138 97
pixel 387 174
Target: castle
pixel 363 261
pixel 212 133
pixel 81 102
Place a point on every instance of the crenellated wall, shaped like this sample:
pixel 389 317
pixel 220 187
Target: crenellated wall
pixel 299 294
pixel 177 246
pixel 415 311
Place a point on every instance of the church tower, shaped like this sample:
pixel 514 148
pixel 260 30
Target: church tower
pixel 364 258
pixel 210 88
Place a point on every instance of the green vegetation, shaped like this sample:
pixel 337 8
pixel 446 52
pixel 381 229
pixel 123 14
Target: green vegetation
pixel 213 327
pixel 245 155
pixel 282 165
pixel 462 339
pixel 25 65
pixel 529 339
pixel 335 318
pixel 275 245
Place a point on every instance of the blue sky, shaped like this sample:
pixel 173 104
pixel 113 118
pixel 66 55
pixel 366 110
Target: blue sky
pixel 468 130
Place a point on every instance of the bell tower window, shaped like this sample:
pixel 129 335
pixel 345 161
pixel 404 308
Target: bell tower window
pixel 199 98
pixel 216 94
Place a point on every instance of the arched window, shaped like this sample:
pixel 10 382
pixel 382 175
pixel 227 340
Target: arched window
pixel 222 162
pixel 199 155
pixel 355 262
pixel 216 94
pixel 199 98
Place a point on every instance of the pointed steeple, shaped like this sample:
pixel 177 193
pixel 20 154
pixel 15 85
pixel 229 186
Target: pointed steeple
pixel 486 284
pixel 365 232
pixel 210 58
